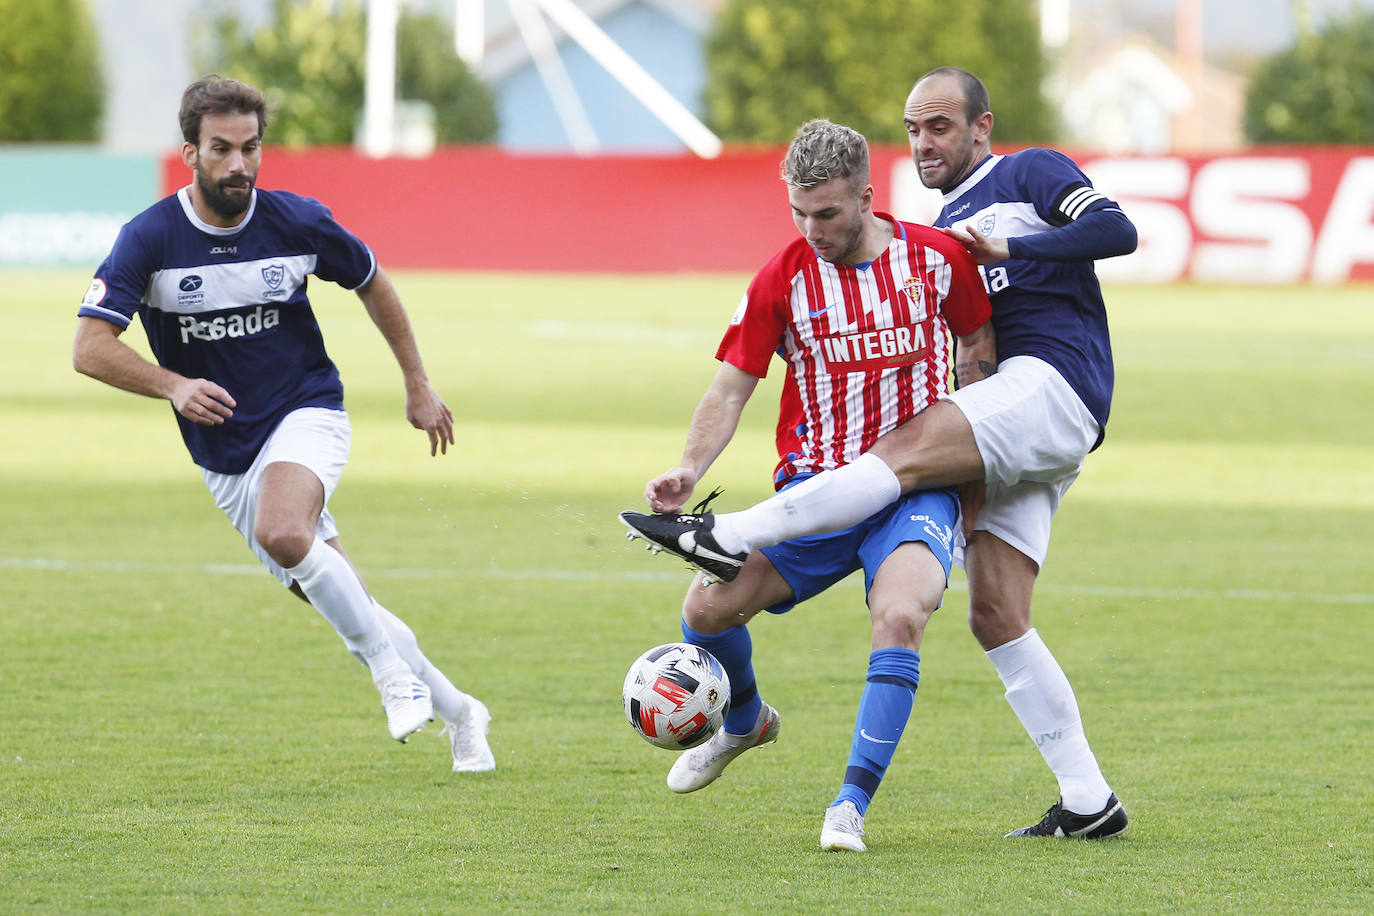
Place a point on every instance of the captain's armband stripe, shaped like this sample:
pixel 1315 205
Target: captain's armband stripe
pixel 1077 201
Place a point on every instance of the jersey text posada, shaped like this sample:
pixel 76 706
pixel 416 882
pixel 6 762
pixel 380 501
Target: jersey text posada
pixel 240 325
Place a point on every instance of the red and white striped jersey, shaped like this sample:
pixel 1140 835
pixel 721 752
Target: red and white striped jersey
pixel 866 347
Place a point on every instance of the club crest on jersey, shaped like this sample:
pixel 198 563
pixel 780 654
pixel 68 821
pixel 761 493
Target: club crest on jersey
pixel 986 222
pixel 915 291
pixel 273 274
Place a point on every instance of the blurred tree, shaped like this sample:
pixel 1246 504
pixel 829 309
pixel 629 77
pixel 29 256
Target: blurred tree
pixel 773 64
pixel 1319 91
pixel 51 87
pixel 309 62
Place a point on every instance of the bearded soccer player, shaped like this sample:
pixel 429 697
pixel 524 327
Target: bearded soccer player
pixel 1016 440
pixel 217 275
pixel 860 309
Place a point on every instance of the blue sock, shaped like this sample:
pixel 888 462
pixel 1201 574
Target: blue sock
pixel 735 652
pixel 883 710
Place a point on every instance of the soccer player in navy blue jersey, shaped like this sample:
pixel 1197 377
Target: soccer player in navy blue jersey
pixel 217 274
pixel 1014 441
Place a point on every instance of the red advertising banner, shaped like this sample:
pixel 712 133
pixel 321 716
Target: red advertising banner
pixel 1277 216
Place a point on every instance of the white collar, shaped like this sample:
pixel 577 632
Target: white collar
pixel 184 197
pixel 978 175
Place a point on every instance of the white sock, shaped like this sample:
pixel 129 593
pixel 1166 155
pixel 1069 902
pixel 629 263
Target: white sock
pixel 328 581
pixel 830 501
pixel 448 700
pixel 1042 699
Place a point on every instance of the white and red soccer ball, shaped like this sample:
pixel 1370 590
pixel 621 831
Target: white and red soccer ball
pixel 676 695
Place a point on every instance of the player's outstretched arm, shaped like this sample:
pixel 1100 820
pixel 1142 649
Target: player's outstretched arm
pixel 1097 234
pixel 424 408
pixel 713 426
pixel 99 353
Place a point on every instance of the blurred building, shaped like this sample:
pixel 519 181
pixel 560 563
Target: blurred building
pixel 1136 97
pixel 148 48
pixel 568 99
pixel 1140 75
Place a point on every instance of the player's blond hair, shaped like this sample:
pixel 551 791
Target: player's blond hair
pixel 823 150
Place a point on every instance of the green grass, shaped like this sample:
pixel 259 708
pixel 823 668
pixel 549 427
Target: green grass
pixel 177 734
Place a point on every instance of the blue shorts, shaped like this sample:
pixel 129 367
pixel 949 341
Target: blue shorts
pixel 814 563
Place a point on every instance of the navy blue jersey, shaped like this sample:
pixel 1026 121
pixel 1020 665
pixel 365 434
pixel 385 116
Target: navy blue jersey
pixel 229 305
pixel 1052 310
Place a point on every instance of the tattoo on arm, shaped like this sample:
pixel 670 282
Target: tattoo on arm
pixel 964 373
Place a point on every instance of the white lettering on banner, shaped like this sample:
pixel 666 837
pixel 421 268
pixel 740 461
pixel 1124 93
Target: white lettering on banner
pixel 1238 219
pixel 1347 235
pixel 1254 212
pixel 1144 188
pixel 1240 199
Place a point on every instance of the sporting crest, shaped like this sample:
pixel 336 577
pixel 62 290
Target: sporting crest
pixel 273 274
pixel 916 295
pixel 986 222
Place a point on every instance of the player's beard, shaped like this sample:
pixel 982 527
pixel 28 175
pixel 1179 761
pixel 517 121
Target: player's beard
pixel 841 251
pixel 217 199
pixel 955 170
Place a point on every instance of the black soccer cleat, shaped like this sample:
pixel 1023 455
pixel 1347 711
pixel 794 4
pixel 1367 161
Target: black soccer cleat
pixel 1060 821
pixel 687 536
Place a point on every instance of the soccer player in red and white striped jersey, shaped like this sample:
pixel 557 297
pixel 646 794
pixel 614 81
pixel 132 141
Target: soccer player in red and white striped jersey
pixel 865 342
pixel 860 309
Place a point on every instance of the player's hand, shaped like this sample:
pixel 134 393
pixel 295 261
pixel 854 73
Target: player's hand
pixel 668 491
pixel 983 249
pixel 426 410
pixel 202 401
pixel 972 495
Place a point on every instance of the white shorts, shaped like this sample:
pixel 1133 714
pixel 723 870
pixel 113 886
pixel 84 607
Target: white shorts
pixel 1033 433
pixel 316 437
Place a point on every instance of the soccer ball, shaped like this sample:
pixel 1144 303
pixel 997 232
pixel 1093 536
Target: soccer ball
pixel 676 695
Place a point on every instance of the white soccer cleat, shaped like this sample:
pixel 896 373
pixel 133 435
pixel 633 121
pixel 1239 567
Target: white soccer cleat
pixel 844 829
pixel 699 767
pixel 406 700
pixel 471 752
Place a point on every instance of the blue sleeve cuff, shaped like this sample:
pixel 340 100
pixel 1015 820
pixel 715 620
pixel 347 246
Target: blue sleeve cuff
pixel 1097 234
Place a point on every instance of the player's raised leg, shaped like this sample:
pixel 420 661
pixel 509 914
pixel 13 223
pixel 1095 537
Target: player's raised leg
pixel 934 448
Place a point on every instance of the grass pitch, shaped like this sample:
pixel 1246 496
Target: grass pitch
pixel 180 735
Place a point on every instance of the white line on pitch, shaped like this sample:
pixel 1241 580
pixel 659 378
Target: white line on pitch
pixel 677 575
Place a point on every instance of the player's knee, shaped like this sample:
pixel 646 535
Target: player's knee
pixel 709 617
pixel 900 625
pixel 995 623
pixel 286 544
